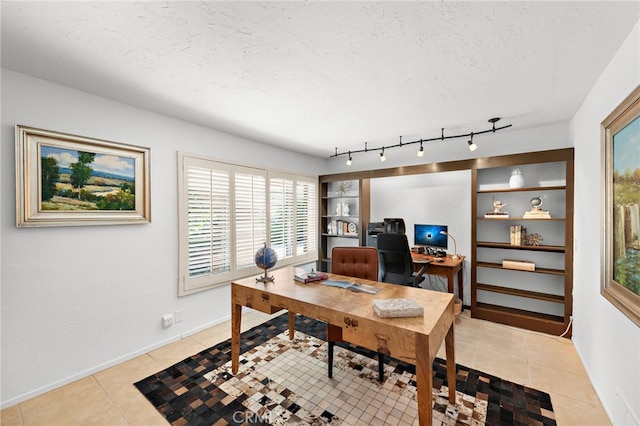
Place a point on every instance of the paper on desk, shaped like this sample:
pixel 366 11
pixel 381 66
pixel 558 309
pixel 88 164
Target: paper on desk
pixel 352 286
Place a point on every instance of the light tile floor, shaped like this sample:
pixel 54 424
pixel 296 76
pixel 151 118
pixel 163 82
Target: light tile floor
pixel 532 359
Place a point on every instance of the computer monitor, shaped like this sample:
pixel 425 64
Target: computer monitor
pixel 430 236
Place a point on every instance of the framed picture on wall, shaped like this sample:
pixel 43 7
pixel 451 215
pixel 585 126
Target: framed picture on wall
pixel 69 180
pixel 621 207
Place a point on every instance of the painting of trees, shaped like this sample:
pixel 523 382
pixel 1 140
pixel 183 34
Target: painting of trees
pixel 50 175
pixel 626 206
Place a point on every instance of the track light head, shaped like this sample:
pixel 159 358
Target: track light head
pixel 349 161
pixel 472 146
pixel 420 151
pixel 383 158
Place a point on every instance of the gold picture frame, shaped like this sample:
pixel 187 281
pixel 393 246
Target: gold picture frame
pixel 70 180
pixel 620 282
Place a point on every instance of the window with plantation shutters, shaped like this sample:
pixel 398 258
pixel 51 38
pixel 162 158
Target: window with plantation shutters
pixel 228 211
pixel 282 220
pixel 250 215
pixel 205 224
pixel 306 218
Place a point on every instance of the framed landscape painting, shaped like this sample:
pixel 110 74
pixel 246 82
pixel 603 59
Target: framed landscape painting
pixel 69 180
pixel 621 207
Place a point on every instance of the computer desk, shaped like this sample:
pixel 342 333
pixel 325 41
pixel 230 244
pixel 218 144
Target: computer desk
pixel 426 264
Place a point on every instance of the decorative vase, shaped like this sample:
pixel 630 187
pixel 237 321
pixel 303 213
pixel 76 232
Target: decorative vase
pixel 516 180
pixel 345 209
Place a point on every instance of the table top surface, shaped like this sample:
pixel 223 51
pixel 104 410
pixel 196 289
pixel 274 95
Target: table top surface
pixel 437 305
pixel 446 261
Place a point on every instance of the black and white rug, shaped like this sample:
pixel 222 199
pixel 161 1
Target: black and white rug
pixel 281 381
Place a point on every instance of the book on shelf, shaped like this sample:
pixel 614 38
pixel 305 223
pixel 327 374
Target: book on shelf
pixel 365 288
pixel 397 308
pixel 537 214
pixel 517 235
pixel 496 215
pixel 342 227
pixel 309 277
pixel 520 265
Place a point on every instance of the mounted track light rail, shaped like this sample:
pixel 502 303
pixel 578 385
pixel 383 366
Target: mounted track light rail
pixel 472 145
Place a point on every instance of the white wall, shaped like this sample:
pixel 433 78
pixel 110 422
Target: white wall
pixel 78 299
pixel 435 198
pixel 606 340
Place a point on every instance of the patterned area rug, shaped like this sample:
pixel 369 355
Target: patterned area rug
pixel 285 382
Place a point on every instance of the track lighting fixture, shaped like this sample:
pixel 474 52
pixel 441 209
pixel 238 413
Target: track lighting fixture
pixel 420 153
pixel 472 146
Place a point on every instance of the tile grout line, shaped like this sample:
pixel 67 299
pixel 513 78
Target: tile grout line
pixel 117 407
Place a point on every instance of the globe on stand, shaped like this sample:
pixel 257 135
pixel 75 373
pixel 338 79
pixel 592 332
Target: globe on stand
pixel 266 258
pixel 536 203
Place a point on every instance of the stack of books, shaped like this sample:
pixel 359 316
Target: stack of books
pixel 496 215
pixel 341 227
pixel 517 235
pixel 309 277
pixel 537 214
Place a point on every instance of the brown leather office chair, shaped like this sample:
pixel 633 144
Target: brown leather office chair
pixel 359 262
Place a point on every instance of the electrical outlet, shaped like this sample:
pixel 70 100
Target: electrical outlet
pixel 167 320
pixel 177 316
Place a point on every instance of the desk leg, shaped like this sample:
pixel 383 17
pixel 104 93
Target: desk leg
pixel 460 286
pixel 451 364
pixel 292 324
pixel 424 380
pixel 236 320
pixel 450 280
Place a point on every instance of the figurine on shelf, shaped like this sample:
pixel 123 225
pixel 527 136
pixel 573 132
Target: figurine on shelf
pixel 497 210
pixel 516 180
pixel 498 205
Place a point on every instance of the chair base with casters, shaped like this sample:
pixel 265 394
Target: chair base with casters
pixel 359 262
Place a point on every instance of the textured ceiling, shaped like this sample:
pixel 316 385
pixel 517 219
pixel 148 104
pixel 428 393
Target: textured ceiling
pixel 313 76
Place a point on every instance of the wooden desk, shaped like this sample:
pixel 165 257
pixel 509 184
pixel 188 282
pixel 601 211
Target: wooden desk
pixel 425 264
pixel 350 315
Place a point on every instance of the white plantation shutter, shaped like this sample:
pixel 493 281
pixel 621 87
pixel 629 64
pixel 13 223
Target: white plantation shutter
pixel 306 218
pixel 209 221
pixel 250 215
pixel 206 253
pixel 282 223
pixel 225 216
